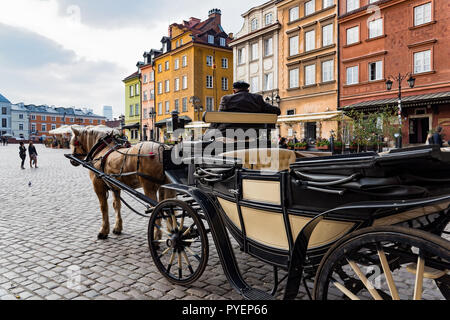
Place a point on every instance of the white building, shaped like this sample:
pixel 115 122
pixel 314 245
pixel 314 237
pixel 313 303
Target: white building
pixel 20 122
pixel 108 113
pixel 255 50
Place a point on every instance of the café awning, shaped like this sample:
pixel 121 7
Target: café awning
pixel 131 126
pixel 314 117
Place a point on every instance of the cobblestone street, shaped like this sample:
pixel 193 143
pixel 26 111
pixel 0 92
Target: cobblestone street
pixel 49 220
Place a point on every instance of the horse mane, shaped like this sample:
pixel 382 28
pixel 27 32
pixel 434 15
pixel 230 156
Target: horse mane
pixel 92 134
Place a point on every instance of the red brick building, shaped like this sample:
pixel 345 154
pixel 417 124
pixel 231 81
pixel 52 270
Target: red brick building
pixel 383 38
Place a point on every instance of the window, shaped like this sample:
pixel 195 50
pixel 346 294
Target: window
pixel 4 123
pixel 177 84
pixel 209 104
pixel 43 118
pixel 44 128
pixel 33 127
pixel 241 55
pixel 177 44
pixel 21 126
pixel 293 78
pixel 224 63
pixel 254 84
pixel 185 82
pixel 254 24
pixel 293 46
pixel 33 117
pixel 167 107
pixel 268 81
pixel 71 120
pixel 376 28
pixel 352 5
pixel 327 3
pixel 167 65
pixel 181 42
pixel 293 14
pixel 210 39
pixel 422 61
pixel 137 89
pixel 376 71
pixel 310 75
pixel 145 78
pixel 167 86
pixel 224 84
pixel 255 51
pixel 310 40
pixel 268 47
pixel 209 82
pixel 310 7
pixel 20 115
pixel 53 119
pixel 3 110
pixel 177 64
pixel 159 68
pixel 223 42
pixel 184 102
pixel 145 95
pixel 352 35
pixel 209 61
pixel 184 61
pixel 152 94
pixel 177 105
pixel 327 35
pixel 136 109
pixel 327 71
pixel 160 88
pixel 145 114
pixel 160 108
pixel 422 14
pixel 353 75
pixel 152 76
pixel 131 91
pixel 268 18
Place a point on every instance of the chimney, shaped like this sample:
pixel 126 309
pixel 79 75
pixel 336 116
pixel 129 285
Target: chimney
pixel 216 14
pixel 193 21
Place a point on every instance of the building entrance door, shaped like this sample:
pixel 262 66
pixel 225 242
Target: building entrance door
pixel 310 131
pixel 418 130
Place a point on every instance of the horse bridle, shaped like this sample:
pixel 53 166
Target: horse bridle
pixel 77 144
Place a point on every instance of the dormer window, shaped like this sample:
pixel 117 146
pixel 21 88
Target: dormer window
pixel 210 39
pixel 223 42
pixel 164 47
pixel 254 24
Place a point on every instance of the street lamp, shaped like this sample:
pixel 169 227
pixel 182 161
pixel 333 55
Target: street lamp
pixel 152 114
pixel 273 99
pixel 411 82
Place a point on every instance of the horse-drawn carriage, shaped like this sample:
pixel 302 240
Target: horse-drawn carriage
pixel 337 220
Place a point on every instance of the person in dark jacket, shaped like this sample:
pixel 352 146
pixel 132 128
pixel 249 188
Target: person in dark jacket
pixel 22 154
pixel 33 155
pixel 437 137
pixel 243 101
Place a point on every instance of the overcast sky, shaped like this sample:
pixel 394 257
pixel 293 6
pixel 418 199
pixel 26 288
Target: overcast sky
pixel 76 52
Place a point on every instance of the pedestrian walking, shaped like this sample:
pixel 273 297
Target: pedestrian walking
pixel 22 154
pixel 437 137
pixel 33 155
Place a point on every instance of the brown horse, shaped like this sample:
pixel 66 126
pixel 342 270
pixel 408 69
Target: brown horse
pixel 143 158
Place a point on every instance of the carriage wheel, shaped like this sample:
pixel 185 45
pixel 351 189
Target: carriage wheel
pixel 178 242
pixel 386 263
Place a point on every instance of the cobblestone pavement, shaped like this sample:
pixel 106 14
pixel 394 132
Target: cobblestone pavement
pixel 49 220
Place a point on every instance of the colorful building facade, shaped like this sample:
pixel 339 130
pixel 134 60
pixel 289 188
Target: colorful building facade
pixel 132 126
pixel 307 68
pixel 397 37
pixel 193 72
pixel 5 116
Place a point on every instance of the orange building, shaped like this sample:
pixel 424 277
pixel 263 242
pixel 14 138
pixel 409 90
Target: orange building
pixel 307 69
pixel 380 39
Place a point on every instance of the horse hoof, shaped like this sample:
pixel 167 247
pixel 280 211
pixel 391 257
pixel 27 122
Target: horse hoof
pixel 117 232
pixel 102 236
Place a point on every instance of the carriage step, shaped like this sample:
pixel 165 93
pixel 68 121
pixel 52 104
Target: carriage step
pixel 256 294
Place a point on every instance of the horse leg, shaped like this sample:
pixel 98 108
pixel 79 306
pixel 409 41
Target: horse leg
pixel 117 207
pixel 102 194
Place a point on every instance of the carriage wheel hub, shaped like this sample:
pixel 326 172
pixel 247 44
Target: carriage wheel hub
pixel 175 241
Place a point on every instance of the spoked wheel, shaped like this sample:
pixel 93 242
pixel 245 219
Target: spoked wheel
pixel 178 242
pixel 385 263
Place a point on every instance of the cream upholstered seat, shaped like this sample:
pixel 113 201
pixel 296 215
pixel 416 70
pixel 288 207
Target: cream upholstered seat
pixel 264 159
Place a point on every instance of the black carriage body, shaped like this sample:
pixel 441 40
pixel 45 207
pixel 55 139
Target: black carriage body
pixel 266 211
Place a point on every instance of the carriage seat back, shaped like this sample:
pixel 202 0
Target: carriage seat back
pixel 264 159
pixel 240 118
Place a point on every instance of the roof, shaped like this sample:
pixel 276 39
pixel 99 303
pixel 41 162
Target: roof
pixel 3 99
pixel 61 111
pixel 131 76
pixel 408 101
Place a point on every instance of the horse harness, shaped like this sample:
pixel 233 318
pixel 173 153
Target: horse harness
pixel 118 145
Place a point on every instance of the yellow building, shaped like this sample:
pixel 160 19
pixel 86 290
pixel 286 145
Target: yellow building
pixel 194 71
